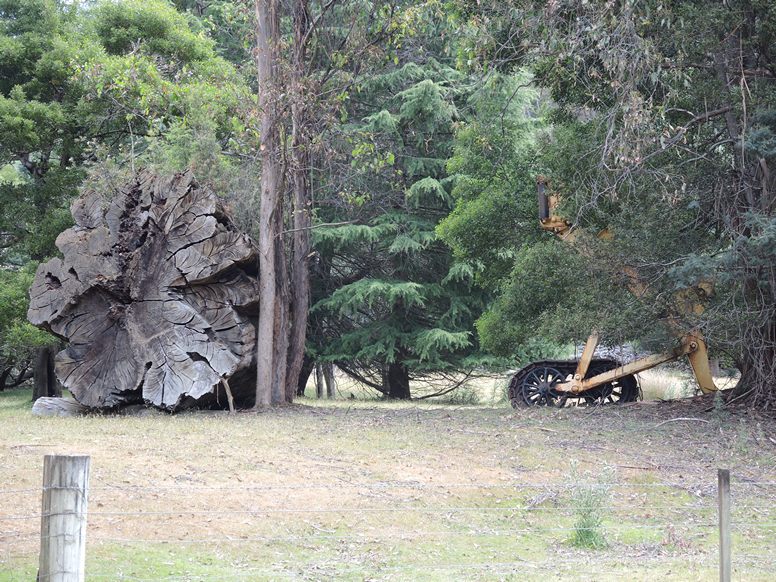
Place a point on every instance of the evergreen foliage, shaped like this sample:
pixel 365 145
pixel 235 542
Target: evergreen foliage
pixel 18 339
pixel 394 304
pixel 663 134
pixel 655 120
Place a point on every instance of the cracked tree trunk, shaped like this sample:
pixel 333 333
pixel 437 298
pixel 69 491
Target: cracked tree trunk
pixel 155 295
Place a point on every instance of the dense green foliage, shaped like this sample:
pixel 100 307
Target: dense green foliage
pixel 80 85
pixel 395 305
pixel 114 84
pixel 655 121
pixel 661 132
pixel 18 339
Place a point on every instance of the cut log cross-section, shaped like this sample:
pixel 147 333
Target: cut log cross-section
pixel 156 296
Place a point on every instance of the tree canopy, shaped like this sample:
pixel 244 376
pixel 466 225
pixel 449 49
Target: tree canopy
pixel 401 142
pixel 660 131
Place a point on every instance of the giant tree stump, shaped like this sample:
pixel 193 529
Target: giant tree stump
pixel 155 295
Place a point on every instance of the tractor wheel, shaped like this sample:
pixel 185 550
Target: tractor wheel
pixel 625 389
pixel 537 387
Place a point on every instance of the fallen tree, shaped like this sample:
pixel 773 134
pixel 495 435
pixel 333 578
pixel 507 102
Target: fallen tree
pixel 156 295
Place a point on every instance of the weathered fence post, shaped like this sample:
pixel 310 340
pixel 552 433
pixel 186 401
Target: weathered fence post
pixel 723 476
pixel 63 518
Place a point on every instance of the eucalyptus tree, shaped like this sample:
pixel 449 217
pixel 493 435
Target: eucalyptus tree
pixel 309 55
pixel 663 133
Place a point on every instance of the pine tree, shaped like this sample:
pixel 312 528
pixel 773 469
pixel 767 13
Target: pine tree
pixel 394 304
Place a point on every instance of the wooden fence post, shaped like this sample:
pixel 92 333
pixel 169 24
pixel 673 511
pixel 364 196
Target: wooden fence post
pixel 63 518
pixel 723 476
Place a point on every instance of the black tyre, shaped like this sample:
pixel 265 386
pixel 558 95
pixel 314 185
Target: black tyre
pixel 537 387
pixel 625 389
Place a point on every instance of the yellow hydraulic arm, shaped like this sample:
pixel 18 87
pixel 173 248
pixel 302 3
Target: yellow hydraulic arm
pixel 691 344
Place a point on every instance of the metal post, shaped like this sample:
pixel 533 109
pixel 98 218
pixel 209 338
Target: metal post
pixel 63 518
pixel 724 524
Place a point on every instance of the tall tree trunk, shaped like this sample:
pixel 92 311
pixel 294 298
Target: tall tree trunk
pixel 757 361
pixel 267 62
pixel 307 368
pixel 280 357
pixel 331 384
pixel 319 380
pixel 300 167
pixel 4 377
pixel 398 379
pixel 300 274
pixel 755 194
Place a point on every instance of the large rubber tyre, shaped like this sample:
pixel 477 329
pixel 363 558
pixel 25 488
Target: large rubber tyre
pixel 622 390
pixel 536 388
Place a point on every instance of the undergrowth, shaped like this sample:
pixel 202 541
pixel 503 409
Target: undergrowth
pixel 589 503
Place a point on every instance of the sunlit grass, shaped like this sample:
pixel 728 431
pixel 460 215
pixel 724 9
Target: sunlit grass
pixel 665 383
pixel 393 481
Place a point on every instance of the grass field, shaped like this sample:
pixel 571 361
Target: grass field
pixel 357 489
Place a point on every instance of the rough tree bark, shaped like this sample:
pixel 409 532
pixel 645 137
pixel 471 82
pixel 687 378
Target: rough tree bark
pixel 754 194
pixel 398 381
pixel 299 306
pixel 280 356
pixel 4 375
pixel 308 365
pixel 319 381
pixel 331 384
pixel 155 295
pixel 267 26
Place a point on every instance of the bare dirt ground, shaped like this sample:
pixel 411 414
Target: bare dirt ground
pixel 360 490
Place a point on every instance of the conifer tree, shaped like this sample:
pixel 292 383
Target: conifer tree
pixel 395 306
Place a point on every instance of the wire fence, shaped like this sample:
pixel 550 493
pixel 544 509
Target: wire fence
pixel 403 529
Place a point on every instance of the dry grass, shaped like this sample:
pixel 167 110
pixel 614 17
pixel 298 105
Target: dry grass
pixel 484 389
pixel 666 383
pixel 365 490
pixel 662 383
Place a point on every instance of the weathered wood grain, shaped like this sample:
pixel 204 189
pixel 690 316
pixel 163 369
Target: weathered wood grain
pixel 155 295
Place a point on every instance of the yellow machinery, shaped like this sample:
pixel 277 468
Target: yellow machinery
pixel 601 380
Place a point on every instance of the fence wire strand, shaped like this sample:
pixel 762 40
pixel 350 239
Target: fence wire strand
pixel 681 487
pixel 629 510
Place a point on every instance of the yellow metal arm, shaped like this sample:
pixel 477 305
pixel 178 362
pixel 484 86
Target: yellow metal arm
pixel 699 360
pixel 692 345
pixel 548 203
pixel 688 301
